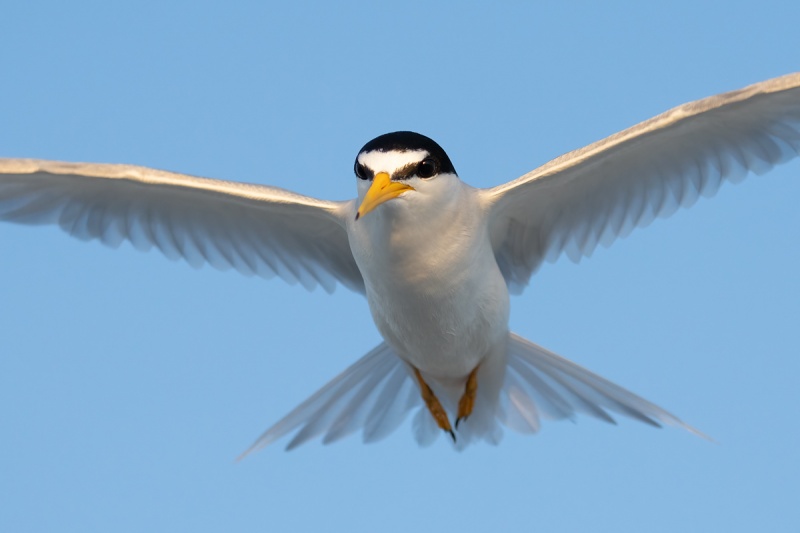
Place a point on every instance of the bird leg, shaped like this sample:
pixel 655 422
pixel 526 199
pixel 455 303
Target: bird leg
pixel 435 408
pixel 467 401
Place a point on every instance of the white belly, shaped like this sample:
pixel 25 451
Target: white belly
pixel 444 329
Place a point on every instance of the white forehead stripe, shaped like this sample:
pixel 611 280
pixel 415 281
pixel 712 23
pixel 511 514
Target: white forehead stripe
pixel 390 161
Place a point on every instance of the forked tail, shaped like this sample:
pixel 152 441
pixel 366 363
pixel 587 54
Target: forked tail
pixel 376 393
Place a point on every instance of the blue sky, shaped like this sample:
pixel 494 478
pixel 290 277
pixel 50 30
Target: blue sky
pixel 128 383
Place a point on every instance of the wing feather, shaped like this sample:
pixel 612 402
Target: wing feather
pixel 601 192
pixel 254 229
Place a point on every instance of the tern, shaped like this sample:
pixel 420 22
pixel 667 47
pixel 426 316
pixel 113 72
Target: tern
pixel 435 257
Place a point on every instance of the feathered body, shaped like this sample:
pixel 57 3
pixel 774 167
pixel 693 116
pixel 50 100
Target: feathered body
pixel 436 293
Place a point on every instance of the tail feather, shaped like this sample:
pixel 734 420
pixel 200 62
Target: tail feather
pixel 377 392
pixel 425 429
pixel 371 393
pixel 333 414
pixel 576 389
pixel 517 409
pixel 399 395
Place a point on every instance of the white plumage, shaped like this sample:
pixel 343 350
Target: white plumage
pixel 437 260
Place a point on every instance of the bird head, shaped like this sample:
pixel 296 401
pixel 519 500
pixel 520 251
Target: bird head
pixel 396 164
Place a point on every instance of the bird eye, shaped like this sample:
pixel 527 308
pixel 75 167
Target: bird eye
pixel 427 168
pixel 361 171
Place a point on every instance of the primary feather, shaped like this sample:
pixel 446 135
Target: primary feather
pixel 601 192
pixel 254 229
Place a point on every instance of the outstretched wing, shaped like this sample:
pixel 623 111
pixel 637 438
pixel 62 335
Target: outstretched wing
pixel 603 191
pixel 255 229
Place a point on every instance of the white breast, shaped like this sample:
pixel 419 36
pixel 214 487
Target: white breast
pixel 433 285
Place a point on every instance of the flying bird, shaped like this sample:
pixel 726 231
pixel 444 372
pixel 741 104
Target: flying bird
pixel 435 258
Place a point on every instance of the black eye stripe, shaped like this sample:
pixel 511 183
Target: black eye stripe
pixel 426 168
pixel 406 172
pixel 362 172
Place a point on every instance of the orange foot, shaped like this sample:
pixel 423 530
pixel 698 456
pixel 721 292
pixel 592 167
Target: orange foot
pixel 467 401
pixel 435 408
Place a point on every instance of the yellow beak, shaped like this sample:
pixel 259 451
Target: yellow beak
pixel 382 190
